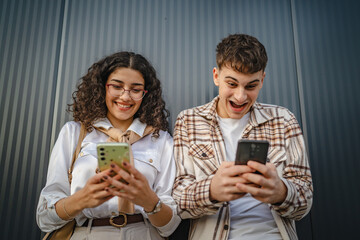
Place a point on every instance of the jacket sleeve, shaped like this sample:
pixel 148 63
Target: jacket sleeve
pixel 192 195
pixel 295 174
pixel 57 184
pixel 163 185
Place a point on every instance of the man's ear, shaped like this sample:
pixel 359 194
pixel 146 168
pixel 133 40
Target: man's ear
pixel 262 79
pixel 216 76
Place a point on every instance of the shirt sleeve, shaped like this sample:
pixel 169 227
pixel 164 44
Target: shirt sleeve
pixel 163 185
pixel 296 174
pixel 191 195
pixel 57 184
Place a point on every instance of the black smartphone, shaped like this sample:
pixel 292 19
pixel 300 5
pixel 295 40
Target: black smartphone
pixel 255 150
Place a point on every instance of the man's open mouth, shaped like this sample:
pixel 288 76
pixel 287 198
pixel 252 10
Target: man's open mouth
pixel 234 105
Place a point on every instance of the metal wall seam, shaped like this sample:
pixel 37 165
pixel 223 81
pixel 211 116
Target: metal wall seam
pixel 298 72
pixel 59 72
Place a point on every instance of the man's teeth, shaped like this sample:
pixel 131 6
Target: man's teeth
pixel 237 105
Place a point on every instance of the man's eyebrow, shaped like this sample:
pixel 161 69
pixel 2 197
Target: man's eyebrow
pixel 232 78
pixel 253 81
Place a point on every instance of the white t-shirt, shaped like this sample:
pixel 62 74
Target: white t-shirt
pixel 249 218
pixel 153 157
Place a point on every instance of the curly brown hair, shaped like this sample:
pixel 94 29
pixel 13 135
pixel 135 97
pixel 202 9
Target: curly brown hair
pixel 89 99
pixel 242 53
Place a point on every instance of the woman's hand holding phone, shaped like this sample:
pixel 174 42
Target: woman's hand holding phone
pixel 123 179
pixel 94 193
pixel 136 189
pixel 91 195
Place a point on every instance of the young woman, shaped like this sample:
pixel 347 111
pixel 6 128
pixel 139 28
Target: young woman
pixel 120 94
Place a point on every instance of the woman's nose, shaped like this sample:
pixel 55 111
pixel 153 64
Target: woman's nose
pixel 125 95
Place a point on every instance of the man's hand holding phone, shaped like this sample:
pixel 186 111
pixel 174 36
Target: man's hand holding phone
pixel 271 189
pixel 223 184
pixel 266 186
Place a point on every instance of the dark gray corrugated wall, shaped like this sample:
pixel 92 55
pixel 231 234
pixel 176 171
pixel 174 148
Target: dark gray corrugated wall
pixel 29 47
pixel 329 50
pixel 46 46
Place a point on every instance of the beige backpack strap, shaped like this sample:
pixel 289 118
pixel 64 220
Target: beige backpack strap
pixel 77 150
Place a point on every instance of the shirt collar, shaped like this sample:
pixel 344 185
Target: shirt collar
pixel 136 126
pixel 258 113
pixel 208 110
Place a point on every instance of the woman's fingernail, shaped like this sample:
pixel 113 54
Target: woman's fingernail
pixel 112 165
pixel 105 177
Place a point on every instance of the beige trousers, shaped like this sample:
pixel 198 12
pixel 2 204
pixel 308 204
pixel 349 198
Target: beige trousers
pixel 134 231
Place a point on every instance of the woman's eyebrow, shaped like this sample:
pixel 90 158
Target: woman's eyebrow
pixel 116 80
pixel 132 84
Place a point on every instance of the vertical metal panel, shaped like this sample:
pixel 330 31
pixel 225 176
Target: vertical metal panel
pixel 329 36
pixel 28 48
pixel 179 38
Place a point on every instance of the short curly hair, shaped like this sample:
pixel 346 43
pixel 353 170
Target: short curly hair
pixel 89 98
pixel 242 53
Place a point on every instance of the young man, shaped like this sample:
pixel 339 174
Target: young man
pixel 228 201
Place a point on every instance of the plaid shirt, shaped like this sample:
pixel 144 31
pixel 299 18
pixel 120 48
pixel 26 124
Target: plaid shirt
pixel 199 150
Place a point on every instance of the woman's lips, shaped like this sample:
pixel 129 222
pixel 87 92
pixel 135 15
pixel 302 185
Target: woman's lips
pixel 123 106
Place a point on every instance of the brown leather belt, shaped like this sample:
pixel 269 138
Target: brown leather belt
pixel 119 221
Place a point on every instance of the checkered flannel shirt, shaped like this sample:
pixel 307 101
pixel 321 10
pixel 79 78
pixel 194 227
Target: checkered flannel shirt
pixel 199 150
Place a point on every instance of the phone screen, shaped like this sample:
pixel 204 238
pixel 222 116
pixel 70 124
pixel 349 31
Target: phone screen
pixel 255 150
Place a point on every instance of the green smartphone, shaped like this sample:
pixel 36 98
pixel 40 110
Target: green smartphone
pixel 109 153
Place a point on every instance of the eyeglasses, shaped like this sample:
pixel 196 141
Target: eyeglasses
pixel 134 93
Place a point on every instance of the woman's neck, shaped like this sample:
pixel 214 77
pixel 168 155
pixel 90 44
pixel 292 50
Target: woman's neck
pixel 123 125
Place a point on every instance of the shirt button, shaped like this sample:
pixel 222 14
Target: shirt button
pixel 204 155
pixel 81 154
pixel 150 160
pixel 226 227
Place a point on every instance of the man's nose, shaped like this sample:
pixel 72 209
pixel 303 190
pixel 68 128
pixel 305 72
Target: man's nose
pixel 240 95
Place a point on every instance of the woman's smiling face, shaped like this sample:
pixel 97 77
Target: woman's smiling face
pixel 237 91
pixel 121 110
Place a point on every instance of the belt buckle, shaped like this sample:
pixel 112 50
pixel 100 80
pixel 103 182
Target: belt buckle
pixel 111 220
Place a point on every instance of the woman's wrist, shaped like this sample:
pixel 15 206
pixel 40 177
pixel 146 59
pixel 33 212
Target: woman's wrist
pixel 65 211
pixel 77 201
pixel 70 206
pixel 150 206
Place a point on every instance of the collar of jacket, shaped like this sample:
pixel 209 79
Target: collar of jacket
pixel 258 113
